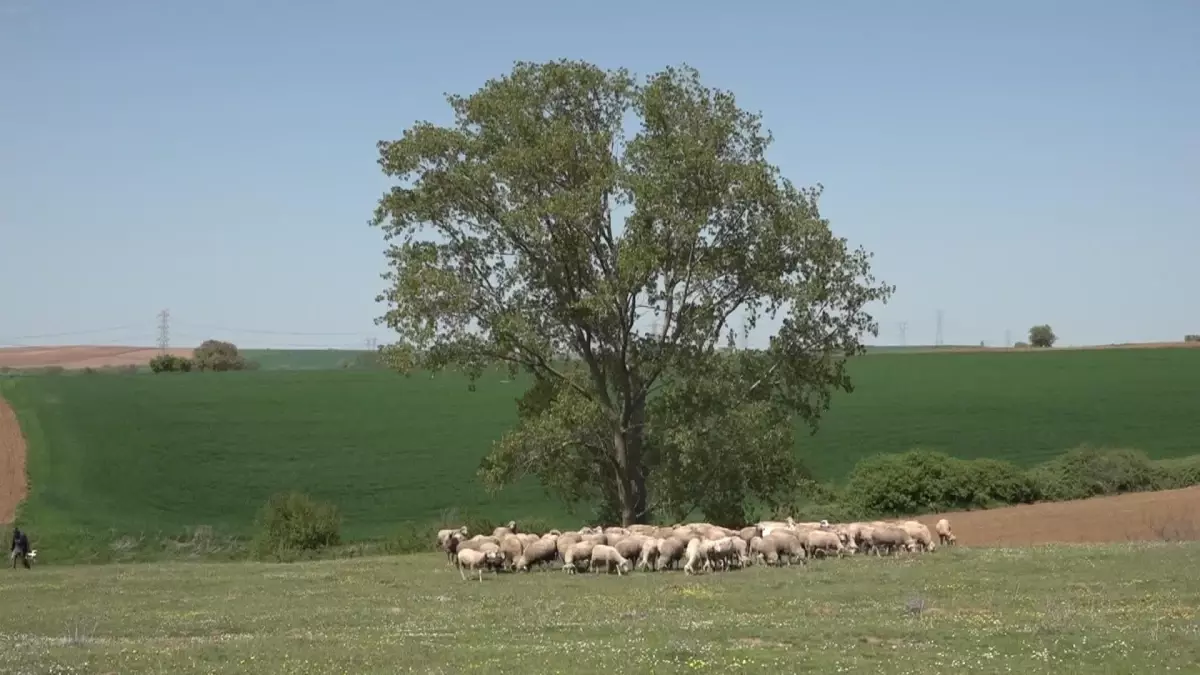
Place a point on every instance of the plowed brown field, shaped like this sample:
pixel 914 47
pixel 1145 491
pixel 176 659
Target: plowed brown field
pixel 1127 345
pixel 1170 515
pixel 78 357
pixel 12 463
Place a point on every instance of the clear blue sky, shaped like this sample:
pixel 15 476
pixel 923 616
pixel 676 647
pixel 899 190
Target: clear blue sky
pixel 1010 163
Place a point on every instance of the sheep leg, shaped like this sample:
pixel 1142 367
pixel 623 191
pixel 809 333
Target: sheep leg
pixel 461 573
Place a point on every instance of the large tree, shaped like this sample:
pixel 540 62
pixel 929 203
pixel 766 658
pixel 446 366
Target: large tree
pixel 536 232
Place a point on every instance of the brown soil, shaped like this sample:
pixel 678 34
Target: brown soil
pixel 12 464
pixel 1170 515
pixel 78 357
pixel 1127 345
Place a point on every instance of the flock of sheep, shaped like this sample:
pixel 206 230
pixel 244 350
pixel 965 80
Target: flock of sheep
pixel 696 547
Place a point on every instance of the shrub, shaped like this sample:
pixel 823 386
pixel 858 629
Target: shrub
pixel 1178 473
pixel 169 363
pixel 921 481
pixel 294 521
pixel 909 482
pixel 217 355
pixel 1191 338
pixel 1089 472
pixel 991 482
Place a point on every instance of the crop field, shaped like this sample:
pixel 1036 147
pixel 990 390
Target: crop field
pixel 304 359
pixel 1118 608
pixel 149 454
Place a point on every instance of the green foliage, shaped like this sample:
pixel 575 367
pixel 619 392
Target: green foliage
pixel 1191 338
pixel 218 356
pixel 1042 336
pixel 503 249
pixel 1179 472
pixel 154 456
pixel 169 363
pixel 294 521
pixel 1090 472
pixel 921 481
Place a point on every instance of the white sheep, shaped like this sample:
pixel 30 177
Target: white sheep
pixel 670 551
pixel 824 542
pixel 576 555
pixel 648 556
pixel 470 559
pixel 693 556
pixel 609 556
pixel 945 536
pixel 920 534
pixel 540 552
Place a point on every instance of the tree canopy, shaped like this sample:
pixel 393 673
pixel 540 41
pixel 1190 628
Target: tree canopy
pixel 536 231
pixel 1042 336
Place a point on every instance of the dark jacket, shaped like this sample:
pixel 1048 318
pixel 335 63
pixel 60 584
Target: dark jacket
pixel 21 541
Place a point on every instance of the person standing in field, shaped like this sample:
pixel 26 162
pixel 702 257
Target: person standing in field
pixel 19 548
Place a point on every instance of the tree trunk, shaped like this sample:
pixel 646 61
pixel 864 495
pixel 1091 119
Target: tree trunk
pixel 631 476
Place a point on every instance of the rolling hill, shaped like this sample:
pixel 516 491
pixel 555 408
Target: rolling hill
pixel 147 453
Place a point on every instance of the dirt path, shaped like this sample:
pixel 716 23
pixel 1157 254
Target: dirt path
pixel 1170 515
pixel 13 487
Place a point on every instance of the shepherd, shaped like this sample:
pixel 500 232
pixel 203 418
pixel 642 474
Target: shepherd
pixel 20 548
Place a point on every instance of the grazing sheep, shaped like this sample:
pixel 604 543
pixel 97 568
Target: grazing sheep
pixel 470 559
pixel 693 556
pixel 789 548
pixel 920 534
pixel 505 530
pixel 945 536
pixel 609 556
pixel 631 546
pixel 443 535
pixel 886 539
pixel 511 546
pixel 766 549
pixel 478 542
pixel 540 552
pixel 565 541
pixel 670 551
pixel 719 553
pixel 824 542
pixel 648 556
pixel 742 549
pixel 577 555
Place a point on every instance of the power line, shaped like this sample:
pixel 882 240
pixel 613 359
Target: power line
pixel 17 338
pixel 164 330
pixel 229 329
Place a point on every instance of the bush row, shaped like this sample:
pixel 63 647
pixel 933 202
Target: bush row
pixel 923 481
pixel 293 525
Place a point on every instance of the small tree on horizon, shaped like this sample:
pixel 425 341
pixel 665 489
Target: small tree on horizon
pixel 1042 336
pixel 217 355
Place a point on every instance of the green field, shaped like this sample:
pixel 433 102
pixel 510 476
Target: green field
pixel 1100 609
pixel 303 359
pixel 148 454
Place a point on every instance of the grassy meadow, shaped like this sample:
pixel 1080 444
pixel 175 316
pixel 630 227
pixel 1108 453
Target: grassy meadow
pixel 139 455
pixel 1104 609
